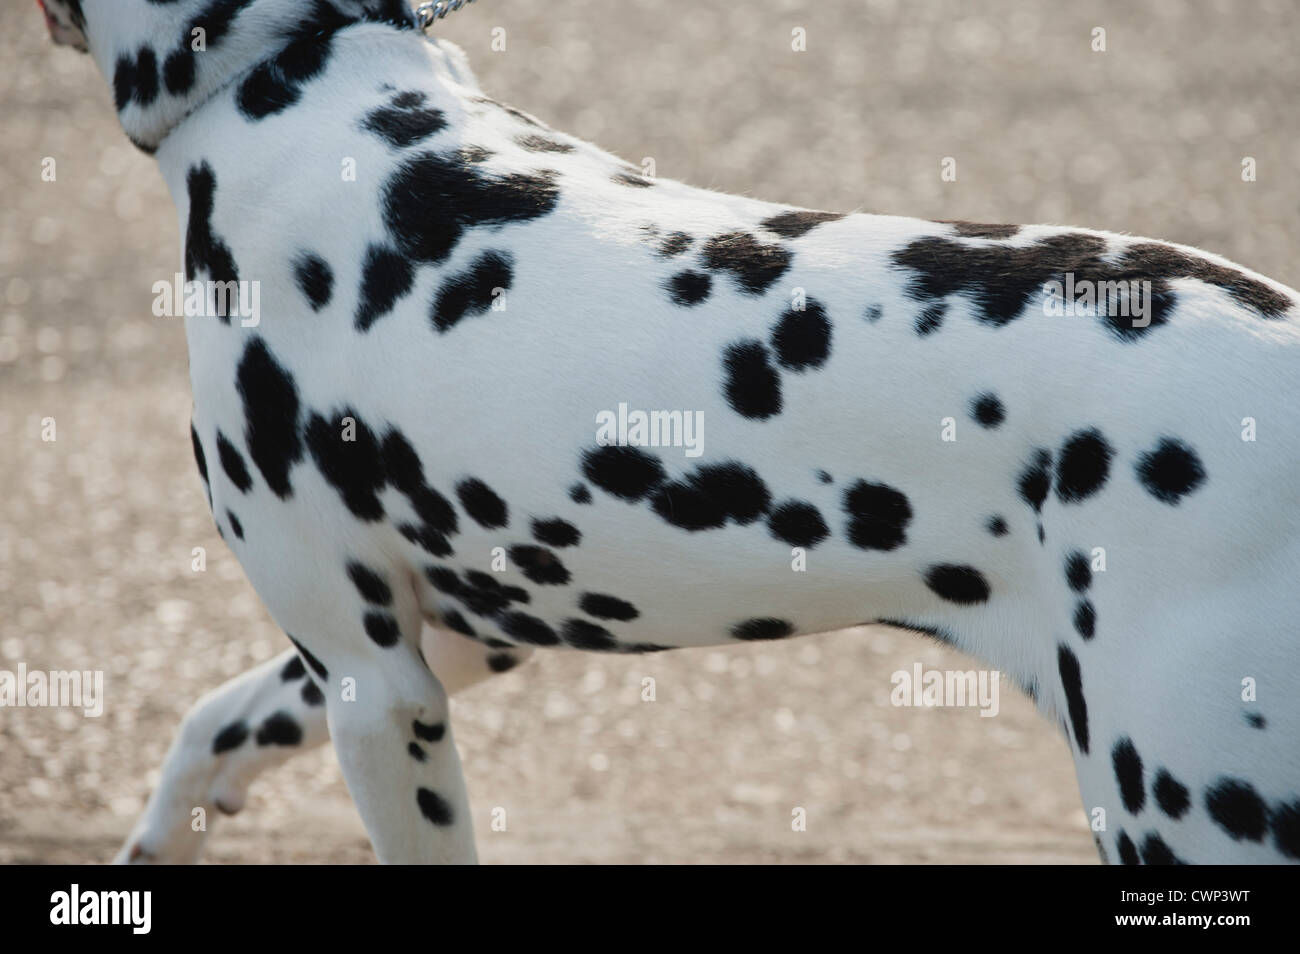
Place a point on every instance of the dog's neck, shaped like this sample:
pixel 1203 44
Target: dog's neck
pixel 165 60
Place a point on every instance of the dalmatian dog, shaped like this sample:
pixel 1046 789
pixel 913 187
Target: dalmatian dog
pixel 412 451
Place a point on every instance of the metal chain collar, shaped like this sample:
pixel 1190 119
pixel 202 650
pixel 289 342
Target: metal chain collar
pixel 427 13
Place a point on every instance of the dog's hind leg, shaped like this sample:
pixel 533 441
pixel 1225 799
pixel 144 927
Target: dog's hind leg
pixel 253 723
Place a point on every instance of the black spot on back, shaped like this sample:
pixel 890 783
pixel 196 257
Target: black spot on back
pixel 199 457
pixel 750 383
pixel 1078 572
pixel 581 634
pixel 1171 471
pixel 473 291
pixel 1083 466
pixel 689 287
pixel 235 526
pixel 405 119
pixel 997 526
pixel 230 737
pixel 205 251
pixel 798 222
pixel 434 807
pixel 382 629
pixel 1286 828
pixel 1085 619
pixel 987 410
pixel 1156 852
pixel 802 338
pixel 1128 852
pixel 1036 480
pixel 293 669
pixel 539 564
pixel 353 467
pixel 579 494
pixel 429 732
pixel 386 276
pixel 754 265
pixel 528 629
pixel 980 229
pixel 930 319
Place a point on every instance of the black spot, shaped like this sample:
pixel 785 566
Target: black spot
pixel 754 265
pixel 713 495
pixel 473 291
pixel 987 410
pixel 315 278
pixel 502 662
pixel 432 199
pixel 231 737
pixel 429 732
pixel 279 729
pixel 1237 808
pixel 404 471
pixel 405 120
pixel 1255 720
pixel 1083 466
pixel 798 523
pixel 873 313
pixel 416 752
pixel 1036 480
pixel 353 467
pixel 930 319
pixel 1085 619
pixel 232 462
pixel 689 287
pixel 981 229
pixel 631 179
pixel 963 585
pixel 481 502
pixel 626 472
pixel 205 251
pixel 751 384
pixel 1128 852
pixel 674 244
pixel 1156 852
pixel 179 71
pixel 602 606
pixel 824 477
pixel 798 222
pixel 311 694
pixel 293 669
pixel 539 564
pixel 434 807
pixel 457 623
pixel 528 629
pixel 1170 794
pixel 556 532
pixel 276 84
pixel 136 80
pixel 385 277
pixel 311 660
pixel 382 628
pixel 199 457
pixel 271 409
pixel 1128 772
pixel 579 494
pixel 235 526
pixel 369 584
pixel 802 338
pixel 1072 682
pixel 535 143
pixel 997 526
pixel 1171 471
pixel 878 516
pixel 1286 829
pixel 763 628
pixel 428 539
pixel 1078 572
pixel 581 634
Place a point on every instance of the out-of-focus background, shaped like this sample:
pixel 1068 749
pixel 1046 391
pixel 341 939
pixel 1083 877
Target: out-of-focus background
pixel 97 527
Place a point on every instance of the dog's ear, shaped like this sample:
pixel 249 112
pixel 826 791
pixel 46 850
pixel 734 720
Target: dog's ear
pixel 66 22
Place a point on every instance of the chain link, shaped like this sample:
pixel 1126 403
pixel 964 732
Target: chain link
pixel 427 13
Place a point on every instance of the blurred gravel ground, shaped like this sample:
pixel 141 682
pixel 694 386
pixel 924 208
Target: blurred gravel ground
pixel 96 529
